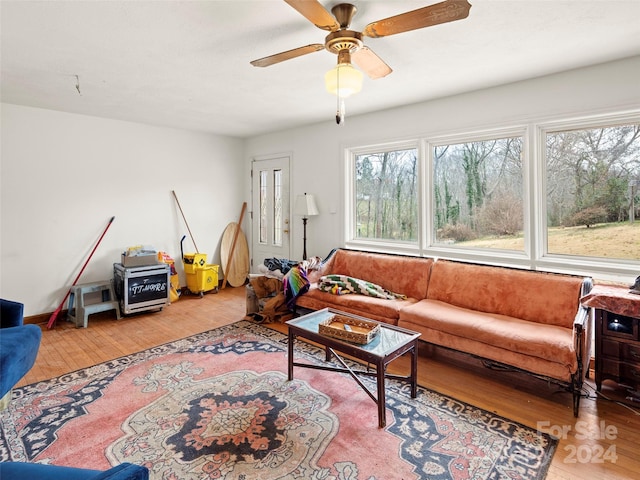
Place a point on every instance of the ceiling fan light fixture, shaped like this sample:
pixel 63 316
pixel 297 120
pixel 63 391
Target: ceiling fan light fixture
pixel 343 80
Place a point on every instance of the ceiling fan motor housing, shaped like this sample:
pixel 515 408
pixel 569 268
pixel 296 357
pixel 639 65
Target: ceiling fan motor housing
pixel 341 40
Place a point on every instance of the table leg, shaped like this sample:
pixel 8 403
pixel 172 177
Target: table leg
pixel 290 355
pixel 382 402
pixel 414 370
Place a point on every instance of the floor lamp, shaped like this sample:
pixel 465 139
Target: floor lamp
pixel 305 206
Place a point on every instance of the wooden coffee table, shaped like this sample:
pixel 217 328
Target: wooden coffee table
pixel 390 343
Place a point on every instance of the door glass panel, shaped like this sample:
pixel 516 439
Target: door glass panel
pixel 263 206
pixel 277 208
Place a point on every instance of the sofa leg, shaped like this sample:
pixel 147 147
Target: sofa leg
pixel 576 401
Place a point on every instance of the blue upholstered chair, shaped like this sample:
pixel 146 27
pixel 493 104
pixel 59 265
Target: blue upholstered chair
pixel 19 346
pixel 38 471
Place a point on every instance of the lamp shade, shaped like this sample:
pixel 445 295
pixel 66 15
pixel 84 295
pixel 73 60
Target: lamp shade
pixel 343 80
pixel 306 206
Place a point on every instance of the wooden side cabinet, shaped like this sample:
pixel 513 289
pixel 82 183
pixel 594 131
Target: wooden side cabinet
pixel 617 349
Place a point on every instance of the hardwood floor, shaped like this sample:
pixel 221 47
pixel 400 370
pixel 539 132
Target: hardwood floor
pixel 601 444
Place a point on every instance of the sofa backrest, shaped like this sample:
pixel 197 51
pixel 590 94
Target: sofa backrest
pixel 547 298
pixel 400 274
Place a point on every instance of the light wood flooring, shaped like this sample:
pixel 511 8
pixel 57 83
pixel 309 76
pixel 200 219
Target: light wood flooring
pixel 602 443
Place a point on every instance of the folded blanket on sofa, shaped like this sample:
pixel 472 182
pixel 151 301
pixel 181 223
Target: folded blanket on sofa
pixel 343 284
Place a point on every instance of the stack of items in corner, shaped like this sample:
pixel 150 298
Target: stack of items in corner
pixel 271 295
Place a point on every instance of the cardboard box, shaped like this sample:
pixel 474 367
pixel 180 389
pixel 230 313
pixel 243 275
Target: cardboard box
pixel 139 260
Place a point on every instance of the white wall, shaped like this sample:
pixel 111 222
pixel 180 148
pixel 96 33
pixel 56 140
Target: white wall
pixel 63 176
pixel 317 150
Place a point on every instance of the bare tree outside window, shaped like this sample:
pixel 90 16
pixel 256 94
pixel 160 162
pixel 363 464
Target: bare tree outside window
pixel 592 192
pixel 386 195
pixel 478 194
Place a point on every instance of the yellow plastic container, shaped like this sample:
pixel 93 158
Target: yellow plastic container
pixel 193 261
pixel 203 279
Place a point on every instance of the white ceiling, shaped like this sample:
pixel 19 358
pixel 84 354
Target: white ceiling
pixel 185 64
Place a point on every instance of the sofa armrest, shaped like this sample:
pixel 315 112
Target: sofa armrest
pixel 41 471
pixel 324 268
pixel 581 321
pixel 582 326
pixel 11 313
pixel 124 471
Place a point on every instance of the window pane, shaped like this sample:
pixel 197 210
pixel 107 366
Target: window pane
pixel 593 192
pixel 478 194
pixel 386 196
pixel 277 207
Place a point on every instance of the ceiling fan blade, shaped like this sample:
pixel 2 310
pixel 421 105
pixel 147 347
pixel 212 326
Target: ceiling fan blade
pixel 370 63
pixel 442 12
pixel 288 55
pixel 313 11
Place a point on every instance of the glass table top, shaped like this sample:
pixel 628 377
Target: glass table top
pixel 387 340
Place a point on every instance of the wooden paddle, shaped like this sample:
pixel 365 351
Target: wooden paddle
pixel 233 243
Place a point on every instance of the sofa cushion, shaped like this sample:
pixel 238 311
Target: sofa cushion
pixel 124 471
pixel 539 297
pixel 379 309
pixel 397 273
pixel 548 342
pixel 536 365
pixel 40 471
pixel 11 313
pixel 18 351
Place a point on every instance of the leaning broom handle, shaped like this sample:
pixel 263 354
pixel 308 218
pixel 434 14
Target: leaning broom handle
pixel 185 220
pixel 54 316
pixel 233 243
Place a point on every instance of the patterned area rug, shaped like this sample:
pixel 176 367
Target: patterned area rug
pixel 218 405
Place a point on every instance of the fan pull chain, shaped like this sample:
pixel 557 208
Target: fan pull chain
pixel 340 110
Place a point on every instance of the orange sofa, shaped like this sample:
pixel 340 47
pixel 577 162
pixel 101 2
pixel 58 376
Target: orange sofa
pixel 528 321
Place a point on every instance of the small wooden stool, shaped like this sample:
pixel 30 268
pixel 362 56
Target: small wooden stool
pixel 79 311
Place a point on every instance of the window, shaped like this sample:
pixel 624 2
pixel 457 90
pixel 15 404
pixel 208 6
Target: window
pixel 560 196
pixel 478 194
pixel 593 191
pixel 386 206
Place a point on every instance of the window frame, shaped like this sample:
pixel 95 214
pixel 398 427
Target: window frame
pixel 350 228
pixel 515 258
pixel 606 268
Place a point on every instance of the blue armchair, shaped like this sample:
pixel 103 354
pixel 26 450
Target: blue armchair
pixel 19 346
pixel 39 471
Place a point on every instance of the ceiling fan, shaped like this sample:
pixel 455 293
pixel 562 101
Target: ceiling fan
pixel 348 43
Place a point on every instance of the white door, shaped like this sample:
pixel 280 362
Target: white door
pixel 270 210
